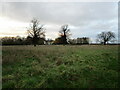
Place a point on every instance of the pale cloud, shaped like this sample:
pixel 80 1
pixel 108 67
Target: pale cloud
pixel 12 27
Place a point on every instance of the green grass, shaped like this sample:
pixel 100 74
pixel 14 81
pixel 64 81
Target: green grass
pixel 86 66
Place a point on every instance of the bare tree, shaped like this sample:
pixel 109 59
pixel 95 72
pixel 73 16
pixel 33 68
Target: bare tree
pixel 64 33
pixel 36 31
pixel 105 37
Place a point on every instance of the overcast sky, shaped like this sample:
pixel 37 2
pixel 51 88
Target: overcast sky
pixel 85 19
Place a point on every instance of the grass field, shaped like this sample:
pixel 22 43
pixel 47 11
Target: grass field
pixel 84 66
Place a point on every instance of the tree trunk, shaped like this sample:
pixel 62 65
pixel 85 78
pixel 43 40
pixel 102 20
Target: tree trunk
pixel 34 45
pixel 104 43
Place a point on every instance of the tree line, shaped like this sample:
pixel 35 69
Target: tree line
pixel 36 36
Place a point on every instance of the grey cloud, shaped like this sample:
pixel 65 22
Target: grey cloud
pixel 62 12
pixel 87 18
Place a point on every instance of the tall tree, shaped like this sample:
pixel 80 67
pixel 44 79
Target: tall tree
pixel 36 31
pixel 105 37
pixel 64 33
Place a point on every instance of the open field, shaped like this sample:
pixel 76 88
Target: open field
pixel 85 66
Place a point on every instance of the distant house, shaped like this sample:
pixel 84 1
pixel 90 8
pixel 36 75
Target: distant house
pixel 83 40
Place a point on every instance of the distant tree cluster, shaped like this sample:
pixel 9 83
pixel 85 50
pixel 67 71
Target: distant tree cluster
pixel 36 36
pixel 20 41
pixel 14 41
pixel 79 41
